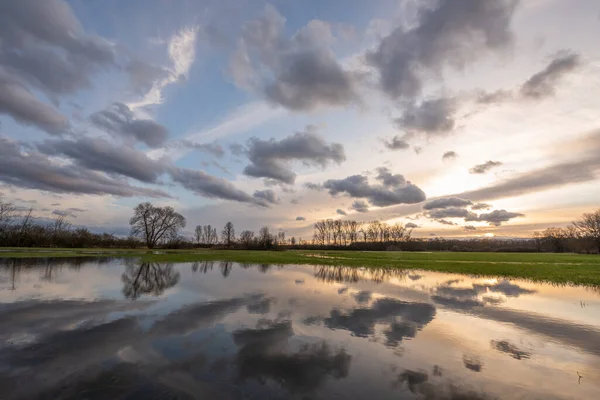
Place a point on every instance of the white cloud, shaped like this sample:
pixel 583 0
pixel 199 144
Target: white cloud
pixel 182 52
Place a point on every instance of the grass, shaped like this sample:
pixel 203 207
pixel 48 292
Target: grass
pixel 555 268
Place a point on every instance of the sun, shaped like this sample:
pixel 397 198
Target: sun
pixel 489 235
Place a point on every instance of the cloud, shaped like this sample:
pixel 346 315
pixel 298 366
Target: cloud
pixel 542 83
pixel 449 155
pixel 100 155
pixel 488 98
pixel 449 33
pixel 497 217
pixel 469 228
pixel 300 73
pixel 444 222
pixel 25 108
pixel 182 52
pixel 446 202
pixel 44 48
pixel 300 219
pixel 339 211
pixel 210 148
pixel 363 296
pixel 267 195
pixel 360 206
pixel 144 75
pixel 396 143
pixel 24 167
pixel 485 167
pixel 385 176
pixel 194 316
pixel 261 356
pixel 432 117
pixel 383 195
pixel 452 207
pixel 361 322
pixel 582 169
pixel 212 187
pixel 452 212
pixel 313 186
pixel 270 158
pixel 69 212
pixel 505 346
pixel 120 121
pixel 481 206
pixel 411 225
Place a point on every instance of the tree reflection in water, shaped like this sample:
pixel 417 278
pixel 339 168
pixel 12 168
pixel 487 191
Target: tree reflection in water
pixel 338 274
pixel 148 278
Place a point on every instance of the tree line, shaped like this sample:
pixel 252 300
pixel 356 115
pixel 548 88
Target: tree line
pixel 153 226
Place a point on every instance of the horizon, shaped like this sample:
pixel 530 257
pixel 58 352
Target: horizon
pixel 466 118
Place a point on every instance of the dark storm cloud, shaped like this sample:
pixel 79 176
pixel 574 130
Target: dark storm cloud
pixel 27 168
pixel 447 33
pixel 452 212
pixel 300 219
pixel 44 47
pixel 358 186
pixel 497 217
pixel 481 206
pixel 119 120
pixel 449 155
pixel 267 195
pixel 212 187
pixel 339 211
pixel 430 117
pixel 542 84
pixel 304 73
pixel 446 202
pixel 100 155
pixel 270 158
pixel 396 143
pixel 360 206
pixel 485 167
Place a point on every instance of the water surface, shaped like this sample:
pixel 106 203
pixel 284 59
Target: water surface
pixel 119 329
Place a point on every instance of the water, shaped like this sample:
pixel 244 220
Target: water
pixel 118 329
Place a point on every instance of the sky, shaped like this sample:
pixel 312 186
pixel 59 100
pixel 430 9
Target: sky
pixel 454 117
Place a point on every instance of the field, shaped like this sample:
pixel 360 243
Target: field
pixel 547 267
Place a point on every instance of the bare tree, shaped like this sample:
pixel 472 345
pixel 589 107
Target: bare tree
pixel 155 224
pixel 228 234
pixel 246 238
pixel 265 239
pixel 589 227
pixel 210 235
pixel 199 235
pixel 7 212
